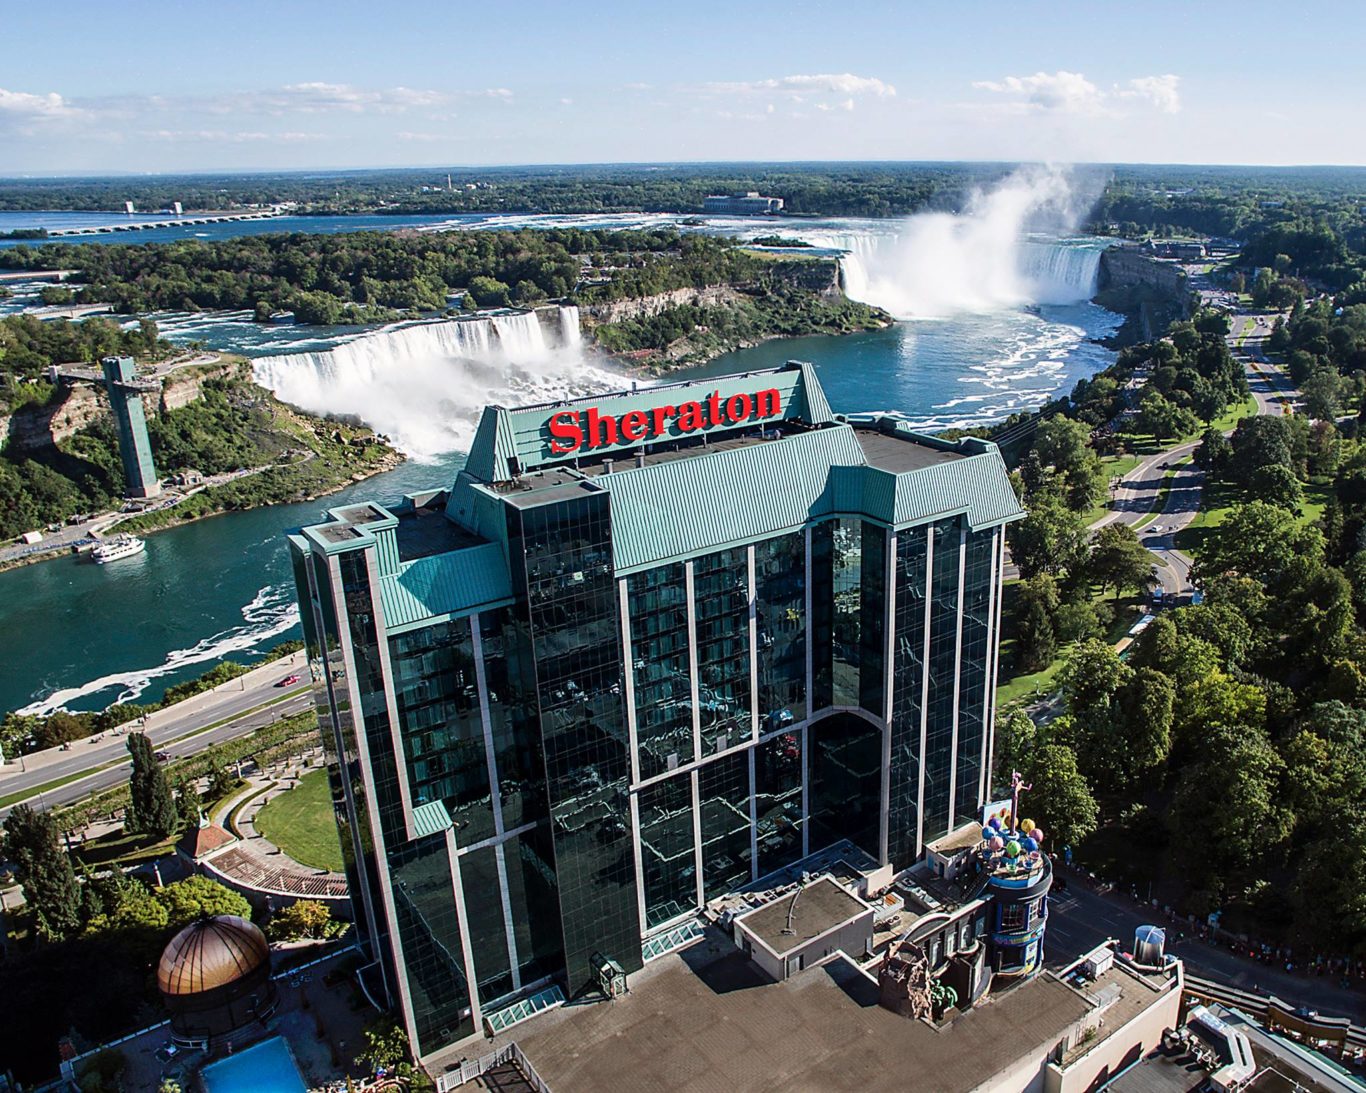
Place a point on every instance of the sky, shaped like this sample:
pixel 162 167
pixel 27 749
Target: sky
pixel 93 87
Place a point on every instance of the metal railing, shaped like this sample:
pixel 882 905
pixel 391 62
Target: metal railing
pixel 473 1068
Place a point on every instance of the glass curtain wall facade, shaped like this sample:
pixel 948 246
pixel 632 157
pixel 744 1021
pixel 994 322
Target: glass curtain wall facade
pixel 561 715
pixel 585 814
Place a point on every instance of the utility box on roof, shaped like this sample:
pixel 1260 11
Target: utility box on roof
pixel 804 926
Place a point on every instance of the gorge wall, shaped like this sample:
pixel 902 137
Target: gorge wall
pixel 821 276
pixel 1149 292
pixel 77 405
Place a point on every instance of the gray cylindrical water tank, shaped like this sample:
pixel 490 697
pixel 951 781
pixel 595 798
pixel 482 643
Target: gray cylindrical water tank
pixel 1149 943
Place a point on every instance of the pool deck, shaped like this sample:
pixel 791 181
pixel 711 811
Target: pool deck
pixel 306 1007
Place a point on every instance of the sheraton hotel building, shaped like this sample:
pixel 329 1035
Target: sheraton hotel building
pixel 648 649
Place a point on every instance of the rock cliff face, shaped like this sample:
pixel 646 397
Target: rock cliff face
pixel 813 275
pixel 1123 267
pixel 79 404
pixel 1150 293
pixel 618 310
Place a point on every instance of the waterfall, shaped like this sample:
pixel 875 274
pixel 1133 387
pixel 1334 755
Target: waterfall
pixel 570 333
pixel 424 384
pixel 982 259
pixel 1060 271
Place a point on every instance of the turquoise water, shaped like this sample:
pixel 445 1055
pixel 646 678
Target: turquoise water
pixel 232 229
pixel 83 636
pixel 267 1067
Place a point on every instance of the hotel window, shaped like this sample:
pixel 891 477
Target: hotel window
pixel 1013 916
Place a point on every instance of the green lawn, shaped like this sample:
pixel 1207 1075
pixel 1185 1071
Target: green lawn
pixel 1230 418
pixel 125 850
pixel 302 823
pixel 1016 688
pixel 1115 466
pixel 1217 500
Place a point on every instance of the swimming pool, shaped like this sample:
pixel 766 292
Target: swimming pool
pixel 268 1067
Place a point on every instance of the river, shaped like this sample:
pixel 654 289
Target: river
pixel 83 636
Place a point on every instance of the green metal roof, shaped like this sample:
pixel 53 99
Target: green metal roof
pixel 444 585
pixel 706 502
pixel 431 819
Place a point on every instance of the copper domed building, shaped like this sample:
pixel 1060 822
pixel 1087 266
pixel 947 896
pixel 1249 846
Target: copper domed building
pixel 214 977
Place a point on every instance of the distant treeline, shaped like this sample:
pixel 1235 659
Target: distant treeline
pixel 855 189
pixel 363 277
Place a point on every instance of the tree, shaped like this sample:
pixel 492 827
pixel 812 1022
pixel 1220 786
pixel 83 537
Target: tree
pixel 1214 456
pixel 1276 484
pixel 187 804
pixel 1322 393
pixel 386 1047
pixel 1076 622
pixel 197 897
pixel 489 292
pixel 1016 735
pixel 44 871
pixel 1146 702
pixel 1090 677
pixel 303 918
pixel 1060 799
pixel 1260 541
pixel 131 910
pixel 152 808
pixel 1224 812
pixel 1050 539
pixel 1035 643
pixel 1119 560
pixel 1163 418
pixel 1064 444
pixel 1264 439
pixel 1330 887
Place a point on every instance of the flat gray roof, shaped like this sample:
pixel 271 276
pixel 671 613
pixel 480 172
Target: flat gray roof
pixel 705 1019
pixel 897 453
pixel 820 906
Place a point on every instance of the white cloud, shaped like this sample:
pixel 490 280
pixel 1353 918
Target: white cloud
pixel 823 92
pixel 1066 92
pixel 566 102
pixel 224 136
pixel 843 84
pixel 20 106
pixel 320 97
pixel 1069 92
pixel 1161 91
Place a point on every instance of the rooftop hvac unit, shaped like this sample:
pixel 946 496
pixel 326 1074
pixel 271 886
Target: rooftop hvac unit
pixel 1098 961
pixel 1149 944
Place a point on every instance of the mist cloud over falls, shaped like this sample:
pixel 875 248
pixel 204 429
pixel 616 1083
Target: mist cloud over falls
pixel 981 259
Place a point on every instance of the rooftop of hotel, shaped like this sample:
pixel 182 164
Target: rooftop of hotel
pixel 814 909
pixel 1281 1065
pixel 706 1018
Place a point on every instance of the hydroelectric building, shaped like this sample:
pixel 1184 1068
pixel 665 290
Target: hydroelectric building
pixel 649 648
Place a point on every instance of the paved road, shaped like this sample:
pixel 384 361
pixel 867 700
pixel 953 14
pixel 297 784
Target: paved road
pixel 175 730
pixel 1139 490
pixel 1079 919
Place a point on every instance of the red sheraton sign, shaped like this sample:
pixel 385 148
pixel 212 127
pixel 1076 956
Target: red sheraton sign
pixel 571 430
